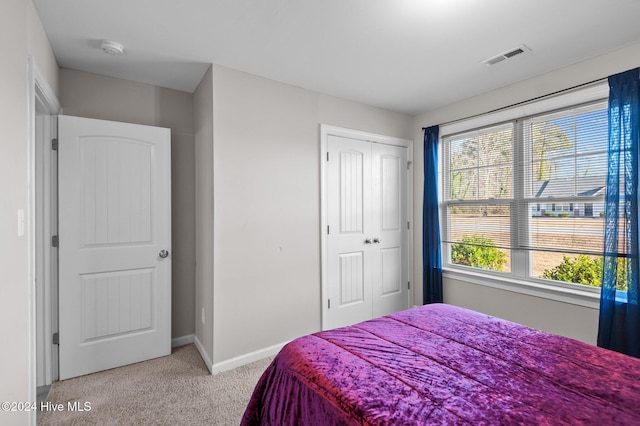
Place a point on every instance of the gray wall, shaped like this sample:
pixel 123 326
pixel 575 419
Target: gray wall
pixel 23 36
pixel 574 320
pixel 266 201
pixel 203 115
pixel 89 95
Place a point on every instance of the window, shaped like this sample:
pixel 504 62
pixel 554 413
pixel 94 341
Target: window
pixel 480 197
pixel 526 196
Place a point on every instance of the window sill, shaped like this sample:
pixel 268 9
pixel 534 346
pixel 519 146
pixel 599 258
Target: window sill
pixel 588 298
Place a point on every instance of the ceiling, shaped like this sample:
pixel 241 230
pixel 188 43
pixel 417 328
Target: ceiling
pixel 409 56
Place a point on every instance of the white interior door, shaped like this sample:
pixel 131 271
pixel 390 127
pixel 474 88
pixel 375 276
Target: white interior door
pixel 114 241
pixel 367 260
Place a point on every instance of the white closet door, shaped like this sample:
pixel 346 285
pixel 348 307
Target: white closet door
pixel 367 261
pixel 115 238
pixel 389 229
pixel 349 216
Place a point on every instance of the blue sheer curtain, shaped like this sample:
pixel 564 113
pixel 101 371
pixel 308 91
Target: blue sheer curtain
pixel 431 250
pixel 619 326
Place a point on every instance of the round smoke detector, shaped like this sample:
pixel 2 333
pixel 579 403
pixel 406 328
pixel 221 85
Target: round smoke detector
pixel 112 48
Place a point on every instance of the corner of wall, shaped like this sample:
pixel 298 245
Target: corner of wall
pixel 203 123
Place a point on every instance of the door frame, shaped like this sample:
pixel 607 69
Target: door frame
pixel 326 131
pixel 40 96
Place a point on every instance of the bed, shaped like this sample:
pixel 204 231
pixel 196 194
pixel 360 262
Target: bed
pixel 441 364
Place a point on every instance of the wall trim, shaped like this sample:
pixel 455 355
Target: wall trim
pixel 248 358
pixel 39 92
pixel 203 354
pixel 236 362
pixel 579 297
pixel 182 340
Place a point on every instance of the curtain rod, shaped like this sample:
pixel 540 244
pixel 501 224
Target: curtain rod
pixel 579 86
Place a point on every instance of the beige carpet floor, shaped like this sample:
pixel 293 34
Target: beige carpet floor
pixel 173 390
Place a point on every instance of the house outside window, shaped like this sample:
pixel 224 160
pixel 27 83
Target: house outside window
pixel 525 197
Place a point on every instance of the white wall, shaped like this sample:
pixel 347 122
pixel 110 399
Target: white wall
pixel 266 285
pixel 22 35
pixel 567 319
pixel 91 95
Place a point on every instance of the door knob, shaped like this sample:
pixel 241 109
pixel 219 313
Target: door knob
pixel 367 241
pixel 163 254
pixel 377 240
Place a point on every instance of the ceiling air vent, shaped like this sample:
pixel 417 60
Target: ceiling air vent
pixel 506 55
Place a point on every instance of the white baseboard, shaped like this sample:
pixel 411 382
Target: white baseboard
pixel 203 354
pixel 182 340
pixel 246 358
pixel 232 363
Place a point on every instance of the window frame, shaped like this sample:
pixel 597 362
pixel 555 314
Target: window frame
pixel 520 277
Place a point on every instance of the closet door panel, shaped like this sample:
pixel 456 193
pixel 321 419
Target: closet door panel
pixel 389 192
pixel 349 217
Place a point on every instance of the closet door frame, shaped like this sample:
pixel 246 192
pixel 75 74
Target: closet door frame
pixel 325 132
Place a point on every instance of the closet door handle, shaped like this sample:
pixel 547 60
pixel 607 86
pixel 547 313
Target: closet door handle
pixel 377 240
pixel 367 241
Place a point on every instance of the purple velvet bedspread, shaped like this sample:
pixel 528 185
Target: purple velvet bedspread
pixel 439 364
